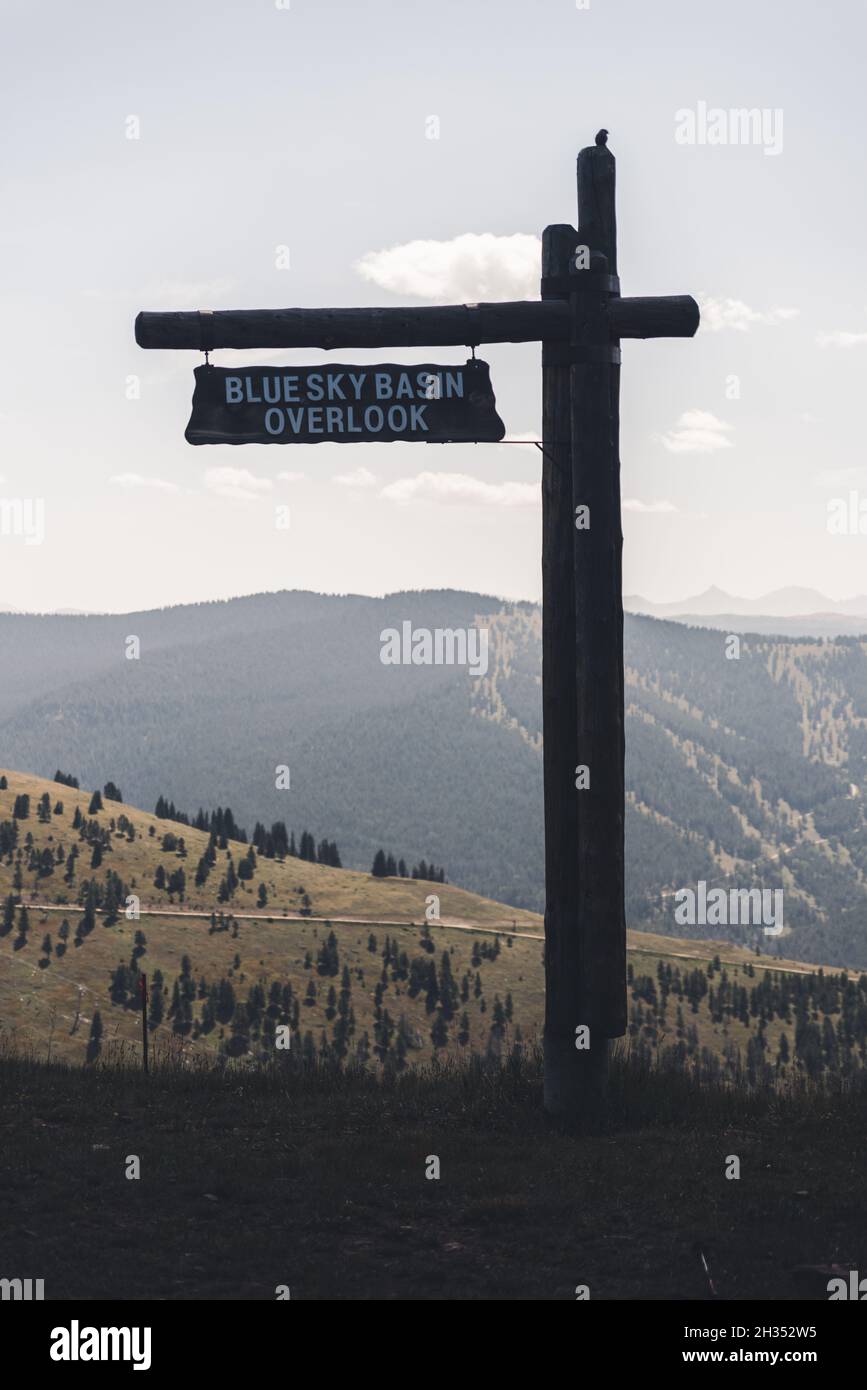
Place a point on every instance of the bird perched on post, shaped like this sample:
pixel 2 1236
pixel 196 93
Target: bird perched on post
pixel 602 137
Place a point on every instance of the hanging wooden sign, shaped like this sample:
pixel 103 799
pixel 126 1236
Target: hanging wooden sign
pixel 341 404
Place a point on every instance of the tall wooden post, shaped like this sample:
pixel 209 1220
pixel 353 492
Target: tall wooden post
pixel 560 750
pixel 585 928
pixel 597 548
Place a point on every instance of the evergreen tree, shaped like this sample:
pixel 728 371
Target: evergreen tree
pixel 433 991
pixel 94 1044
pixel 95 804
pixel 379 869
pixel 183 1019
pixel 247 865
pixel 156 1000
pixel 328 959
pixel 225 1001
pixel 448 990
pixel 119 985
pixel 8 915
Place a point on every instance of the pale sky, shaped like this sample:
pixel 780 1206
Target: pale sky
pixel 308 127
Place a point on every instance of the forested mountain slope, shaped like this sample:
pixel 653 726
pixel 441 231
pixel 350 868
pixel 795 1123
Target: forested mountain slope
pixel 742 772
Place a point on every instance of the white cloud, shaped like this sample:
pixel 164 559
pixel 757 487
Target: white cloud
pixel 359 477
pixel 462 489
pixel 839 337
pixel 633 504
pixel 238 484
pixel 289 477
pixel 138 480
pixel 720 314
pixel 471 268
pixel 696 432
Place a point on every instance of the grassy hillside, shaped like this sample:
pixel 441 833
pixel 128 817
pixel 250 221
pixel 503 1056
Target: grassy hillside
pixel 363 975
pixel 236 940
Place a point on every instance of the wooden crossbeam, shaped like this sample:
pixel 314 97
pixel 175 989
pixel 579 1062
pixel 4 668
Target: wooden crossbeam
pixel 450 325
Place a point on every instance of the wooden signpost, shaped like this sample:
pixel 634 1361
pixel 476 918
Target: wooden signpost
pixel 579 320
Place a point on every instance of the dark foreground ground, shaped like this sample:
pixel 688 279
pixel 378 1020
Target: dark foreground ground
pixel 318 1182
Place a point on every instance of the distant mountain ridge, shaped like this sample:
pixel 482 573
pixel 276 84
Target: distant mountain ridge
pixel 792 601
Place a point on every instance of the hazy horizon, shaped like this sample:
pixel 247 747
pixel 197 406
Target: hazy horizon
pixel 69 611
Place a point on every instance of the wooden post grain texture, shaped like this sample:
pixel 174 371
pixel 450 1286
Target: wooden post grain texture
pixel 558 683
pixel 596 961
